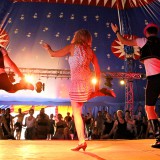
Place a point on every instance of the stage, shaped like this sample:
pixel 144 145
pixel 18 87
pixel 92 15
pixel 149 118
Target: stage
pixel 96 150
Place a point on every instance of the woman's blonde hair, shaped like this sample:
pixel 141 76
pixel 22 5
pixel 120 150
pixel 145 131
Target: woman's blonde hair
pixel 82 37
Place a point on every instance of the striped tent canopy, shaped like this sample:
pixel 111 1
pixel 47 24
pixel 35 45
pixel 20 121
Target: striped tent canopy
pixel 119 4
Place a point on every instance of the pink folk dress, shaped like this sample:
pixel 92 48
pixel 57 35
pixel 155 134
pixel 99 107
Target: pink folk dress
pixel 81 86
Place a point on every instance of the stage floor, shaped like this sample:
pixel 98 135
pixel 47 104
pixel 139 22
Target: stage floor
pixel 96 150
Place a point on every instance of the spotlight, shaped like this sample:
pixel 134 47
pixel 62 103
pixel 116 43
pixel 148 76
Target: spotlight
pixel 122 82
pixel 40 86
pixel 29 78
pixel 143 76
pixel 94 80
pixel 108 82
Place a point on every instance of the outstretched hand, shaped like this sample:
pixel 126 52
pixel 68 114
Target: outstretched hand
pixel 114 27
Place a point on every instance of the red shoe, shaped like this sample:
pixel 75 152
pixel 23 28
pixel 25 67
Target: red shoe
pixel 29 86
pixel 80 146
pixel 103 92
pixel 26 85
pixel 107 92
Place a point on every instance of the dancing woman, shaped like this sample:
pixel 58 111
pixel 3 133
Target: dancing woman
pixel 80 57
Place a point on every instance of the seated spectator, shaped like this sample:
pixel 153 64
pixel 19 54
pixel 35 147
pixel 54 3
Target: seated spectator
pixel 99 122
pixel 139 126
pixel 87 124
pixel 108 125
pixel 131 127
pixel 95 134
pixel 119 130
pixel 91 128
pixel 144 133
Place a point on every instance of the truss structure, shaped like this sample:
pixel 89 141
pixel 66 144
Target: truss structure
pixel 41 72
pixel 129 93
pixel 62 73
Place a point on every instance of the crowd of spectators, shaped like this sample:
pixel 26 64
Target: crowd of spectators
pixel 120 125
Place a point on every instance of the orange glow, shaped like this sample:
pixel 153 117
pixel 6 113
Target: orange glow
pixel 94 80
pixel 29 78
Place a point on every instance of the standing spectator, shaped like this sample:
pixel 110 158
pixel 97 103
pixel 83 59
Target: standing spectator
pixel 68 118
pixel 61 125
pixel 1 122
pixel 51 127
pixel 18 124
pixel 7 125
pixel 42 125
pixel 72 129
pixel 30 124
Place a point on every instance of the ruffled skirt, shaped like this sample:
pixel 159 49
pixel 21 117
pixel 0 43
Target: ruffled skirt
pixel 80 90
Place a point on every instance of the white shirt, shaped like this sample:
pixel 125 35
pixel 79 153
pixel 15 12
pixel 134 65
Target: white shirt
pixel 152 65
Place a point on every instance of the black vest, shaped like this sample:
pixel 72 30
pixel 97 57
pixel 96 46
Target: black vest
pixel 151 49
pixel 1 60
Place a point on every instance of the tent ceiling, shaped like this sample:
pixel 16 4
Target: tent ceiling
pixel 120 4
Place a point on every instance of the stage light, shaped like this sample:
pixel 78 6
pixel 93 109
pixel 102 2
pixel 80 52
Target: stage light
pixel 122 82
pixel 94 81
pixel 40 86
pixel 108 82
pixel 143 76
pixel 29 78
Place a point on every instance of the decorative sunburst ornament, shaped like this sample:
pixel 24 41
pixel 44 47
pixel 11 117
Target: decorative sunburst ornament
pixel 4 38
pixel 123 4
pixel 118 49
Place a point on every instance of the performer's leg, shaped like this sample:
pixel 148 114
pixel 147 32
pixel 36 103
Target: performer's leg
pixel 153 119
pixel 77 112
pixel 151 96
pixel 6 85
pixel 21 86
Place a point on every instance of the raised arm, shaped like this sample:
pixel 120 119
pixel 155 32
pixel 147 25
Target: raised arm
pixel 123 40
pixel 59 53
